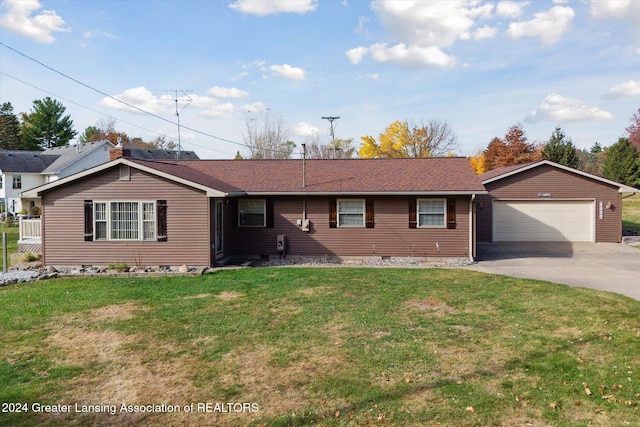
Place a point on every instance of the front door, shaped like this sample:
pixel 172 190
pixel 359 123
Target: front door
pixel 219 230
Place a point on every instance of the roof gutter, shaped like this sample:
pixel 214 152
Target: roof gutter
pixel 363 193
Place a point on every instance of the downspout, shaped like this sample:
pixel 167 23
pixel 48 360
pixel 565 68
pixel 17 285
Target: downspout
pixel 471 201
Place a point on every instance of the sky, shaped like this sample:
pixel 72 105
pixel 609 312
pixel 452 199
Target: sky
pixel 216 66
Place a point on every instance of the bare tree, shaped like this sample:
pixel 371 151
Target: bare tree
pixel 434 139
pixel 337 149
pixel 267 137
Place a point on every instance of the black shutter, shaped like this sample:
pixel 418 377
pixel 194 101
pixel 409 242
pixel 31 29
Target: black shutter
pixel 88 220
pixel 162 220
pixel 369 215
pixel 451 213
pixel 269 212
pixel 413 223
pixel 333 213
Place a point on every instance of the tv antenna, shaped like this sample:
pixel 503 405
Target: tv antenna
pixel 188 101
pixel 333 136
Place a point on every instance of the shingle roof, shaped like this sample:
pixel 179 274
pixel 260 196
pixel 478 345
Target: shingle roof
pixel 71 153
pixel 158 154
pixel 446 174
pixel 502 170
pixel 25 161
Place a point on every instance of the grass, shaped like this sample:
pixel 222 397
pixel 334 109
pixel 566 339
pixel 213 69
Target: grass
pixel 631 213
pixel 13 234
pixel 328 347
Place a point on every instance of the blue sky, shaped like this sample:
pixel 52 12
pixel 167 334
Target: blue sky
pixel 480 66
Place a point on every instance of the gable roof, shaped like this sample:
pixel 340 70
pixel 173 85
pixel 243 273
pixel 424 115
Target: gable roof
pixel 432 176
pixel 70 154
pixel 506 171
pixel 21 161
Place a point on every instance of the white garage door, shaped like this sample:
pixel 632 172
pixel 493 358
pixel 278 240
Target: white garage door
pixel 543 221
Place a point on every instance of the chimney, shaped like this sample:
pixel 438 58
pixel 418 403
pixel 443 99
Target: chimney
pixel 119 151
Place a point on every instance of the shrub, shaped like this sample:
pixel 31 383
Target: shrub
pixel 30 257
pixel 119 267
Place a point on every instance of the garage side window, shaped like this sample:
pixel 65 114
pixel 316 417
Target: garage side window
pixel 432 212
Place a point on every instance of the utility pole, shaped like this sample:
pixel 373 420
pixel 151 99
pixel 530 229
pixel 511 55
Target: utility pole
pixel 333 136
pixel 189 100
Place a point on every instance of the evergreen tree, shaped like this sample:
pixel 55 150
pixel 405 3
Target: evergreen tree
pixel 561 150
pixel 9 128
pixel 45 126
pixel 622 163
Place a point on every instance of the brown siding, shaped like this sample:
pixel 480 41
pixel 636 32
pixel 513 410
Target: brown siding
pixel 562 185
pixel 391 235
pixel 187 222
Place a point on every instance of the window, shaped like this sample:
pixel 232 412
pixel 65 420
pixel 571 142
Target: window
pixel 17 182
pixel 124 221
pixel 125 173
pixel 1 181
pixel 252 213
pixel 351 213
pixel 432 212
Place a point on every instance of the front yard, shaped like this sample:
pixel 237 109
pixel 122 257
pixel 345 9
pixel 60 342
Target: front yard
pixel 329 347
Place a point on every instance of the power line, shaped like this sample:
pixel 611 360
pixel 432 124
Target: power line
pixel 130 105
pixel 103 114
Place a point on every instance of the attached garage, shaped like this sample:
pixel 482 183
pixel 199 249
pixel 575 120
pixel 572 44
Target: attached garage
pixel 543 220
pixel 548 202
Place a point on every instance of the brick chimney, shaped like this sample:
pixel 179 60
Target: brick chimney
pixel 119 151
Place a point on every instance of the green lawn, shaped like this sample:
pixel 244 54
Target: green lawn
pixel 631 212
pixel 13 234
pixel 324 346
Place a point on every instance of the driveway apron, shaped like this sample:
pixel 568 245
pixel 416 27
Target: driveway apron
pixel 611 267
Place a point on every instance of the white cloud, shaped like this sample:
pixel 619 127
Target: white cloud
pixel 219 110
pixel 20 17
pixel 549 26
pixel 255 107
pixel 356 54
pixel 227 92
pixel 485 32
pixel 430 23
pixel 304 129
pixel 421 29
pixel 410 55
pixel 241 75
pixel 271 7
pixel 139 97
pixel 624 90
pixel 288 72
pixel 362 26
pixel 625 10
pixel 561 109
pixel 511 9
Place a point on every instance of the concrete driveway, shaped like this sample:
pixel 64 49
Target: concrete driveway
pixel 612 267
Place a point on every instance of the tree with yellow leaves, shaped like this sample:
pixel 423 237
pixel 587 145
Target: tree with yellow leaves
pixel 479 163
pixel 402 139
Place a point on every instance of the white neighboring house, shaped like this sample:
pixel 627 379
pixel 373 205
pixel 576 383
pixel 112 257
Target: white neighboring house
pixel 23 170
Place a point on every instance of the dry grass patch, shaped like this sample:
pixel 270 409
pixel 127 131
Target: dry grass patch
pixel 229 295
pixel 430 305
pixel 278 389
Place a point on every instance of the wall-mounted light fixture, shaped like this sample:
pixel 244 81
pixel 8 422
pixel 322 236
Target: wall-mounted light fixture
pixel 609 205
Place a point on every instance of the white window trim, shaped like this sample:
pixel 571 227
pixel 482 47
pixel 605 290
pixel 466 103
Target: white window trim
pixel 17 179
pixel 125 173
pixel 264 213
pixel 141 220
pixel 364 213
pixel 444 203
